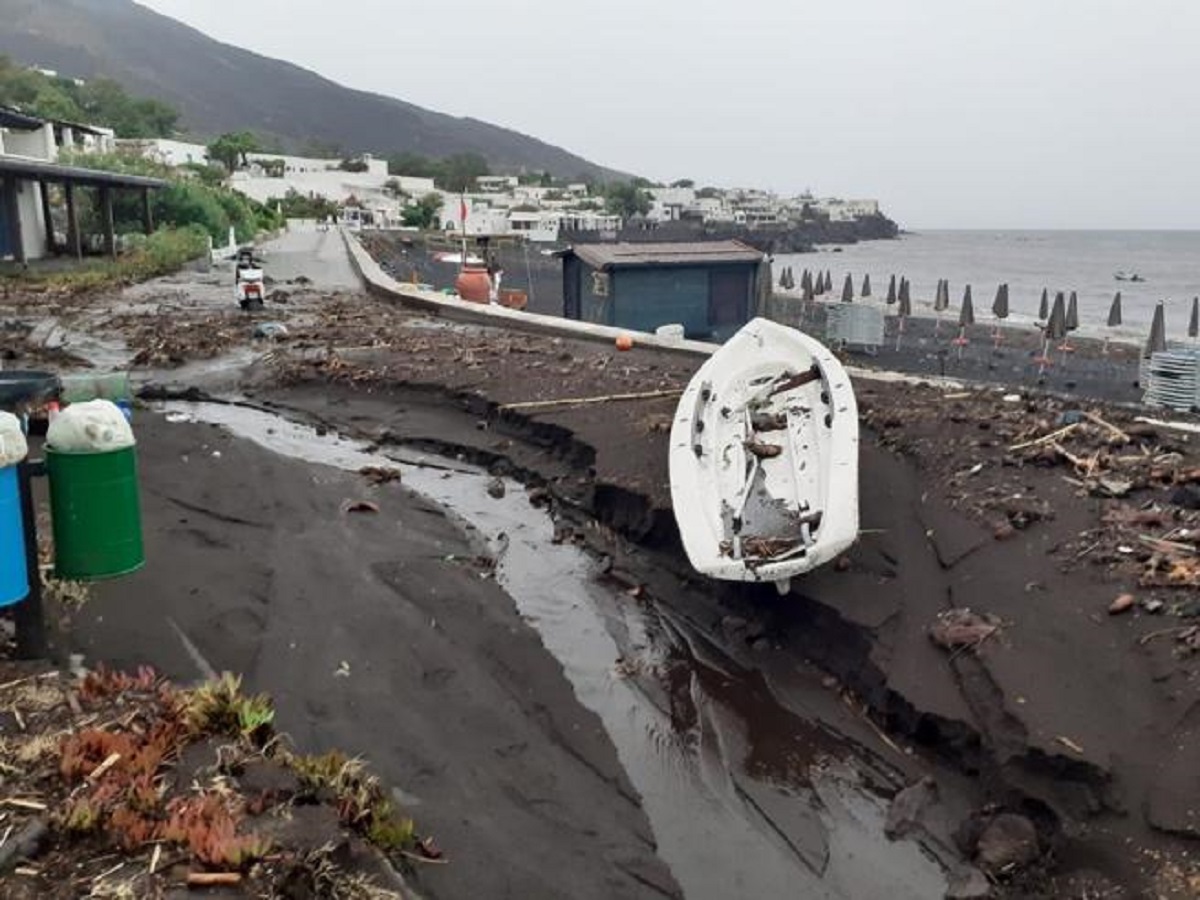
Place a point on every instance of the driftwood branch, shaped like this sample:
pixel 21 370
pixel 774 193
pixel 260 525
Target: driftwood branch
pixel 586 401
pixel 213 879
pixel 1045 439
pixel 1117 432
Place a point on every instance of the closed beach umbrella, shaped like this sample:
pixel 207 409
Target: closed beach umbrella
pixel 1000 304
pixel 1194 321
pixel 1056 325
pixel 942 300
pixel 966 315
pixel 1073 313
pixel 903 310
pixel 1114 311
pixel 866 288
pixel 1044 308
pixel 891 294
pixel 1157 342
pixel 828 281
pixel 848 290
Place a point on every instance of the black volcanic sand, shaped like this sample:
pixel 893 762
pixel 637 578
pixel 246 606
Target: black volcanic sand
pixel 926 346
pixel 1065 716
pixel 444 688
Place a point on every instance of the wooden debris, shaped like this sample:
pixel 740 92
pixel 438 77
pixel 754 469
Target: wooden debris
pixel 108 763
pixel 958 629
pixel 1123 603
pixel 1046 439
pixel 380 474
pixel 586 401
pixel 1116 432
pixel 24 804
pixel 213 879
pixel 1069 744
pixel 764 451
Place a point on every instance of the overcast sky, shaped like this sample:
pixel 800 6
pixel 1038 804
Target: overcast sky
pixel 953 113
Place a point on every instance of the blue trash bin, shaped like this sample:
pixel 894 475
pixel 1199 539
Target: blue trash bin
pixel 14 574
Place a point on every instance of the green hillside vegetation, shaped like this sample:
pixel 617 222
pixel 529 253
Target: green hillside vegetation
pixel 192 197
pixel 100 102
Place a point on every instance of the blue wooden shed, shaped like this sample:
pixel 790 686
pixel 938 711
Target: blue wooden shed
pixel 711 288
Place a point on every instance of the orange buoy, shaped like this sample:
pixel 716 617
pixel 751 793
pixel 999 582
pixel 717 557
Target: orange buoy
pixel 624 342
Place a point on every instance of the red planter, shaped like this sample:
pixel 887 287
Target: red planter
pixel 474 285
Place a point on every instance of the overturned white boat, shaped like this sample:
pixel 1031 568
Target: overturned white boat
pixel 764 458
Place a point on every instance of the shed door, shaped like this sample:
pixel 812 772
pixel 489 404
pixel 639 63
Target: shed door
pixel 728 293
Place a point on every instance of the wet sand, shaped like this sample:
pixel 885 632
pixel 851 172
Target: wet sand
pixel 254 568
pixel 1068 717
pixel 1019 717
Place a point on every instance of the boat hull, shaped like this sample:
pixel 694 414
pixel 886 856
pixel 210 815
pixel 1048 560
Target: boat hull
pixel 764 458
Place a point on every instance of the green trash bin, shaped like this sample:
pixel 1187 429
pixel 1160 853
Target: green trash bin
pixel 95 512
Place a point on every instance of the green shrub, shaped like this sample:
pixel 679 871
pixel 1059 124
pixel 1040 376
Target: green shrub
pixel 160 253
pixel 193 196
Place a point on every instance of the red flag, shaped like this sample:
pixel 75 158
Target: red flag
pixel 462 209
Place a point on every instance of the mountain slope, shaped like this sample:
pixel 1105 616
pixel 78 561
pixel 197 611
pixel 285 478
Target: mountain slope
pixel 221 88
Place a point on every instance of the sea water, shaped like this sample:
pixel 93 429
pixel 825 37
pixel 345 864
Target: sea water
pixel 1081 261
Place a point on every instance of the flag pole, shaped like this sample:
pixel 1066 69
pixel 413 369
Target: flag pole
pixel 462 224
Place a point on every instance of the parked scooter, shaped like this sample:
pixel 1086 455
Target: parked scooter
pixel 249 286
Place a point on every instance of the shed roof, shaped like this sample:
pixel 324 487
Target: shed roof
pixel 14 118
pixel 48 171
pixel 613 256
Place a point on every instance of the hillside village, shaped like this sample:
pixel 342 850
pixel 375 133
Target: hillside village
pixel 368 194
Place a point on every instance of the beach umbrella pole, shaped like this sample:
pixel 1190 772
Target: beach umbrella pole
pixel 1044 360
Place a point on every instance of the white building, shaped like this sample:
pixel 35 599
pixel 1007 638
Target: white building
pixel 495 184
pixel 847 210
pixel 167 152
pixel 669 204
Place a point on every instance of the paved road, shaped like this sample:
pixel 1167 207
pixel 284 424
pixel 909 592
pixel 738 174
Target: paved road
pixel 318 255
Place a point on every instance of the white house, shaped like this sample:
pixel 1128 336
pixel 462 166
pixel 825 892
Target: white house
pixel 167 152
pixel 669 204
pixel 495 184
pixel 847 210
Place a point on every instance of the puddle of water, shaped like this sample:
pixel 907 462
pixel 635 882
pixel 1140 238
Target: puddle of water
pixel 745 798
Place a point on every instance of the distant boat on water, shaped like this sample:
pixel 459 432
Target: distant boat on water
pixel 1128 276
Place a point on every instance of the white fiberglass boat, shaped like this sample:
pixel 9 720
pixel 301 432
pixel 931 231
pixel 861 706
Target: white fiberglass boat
pixel 764 458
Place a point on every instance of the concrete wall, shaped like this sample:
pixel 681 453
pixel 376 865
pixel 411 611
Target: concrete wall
pixel 436 304
pixel 39 144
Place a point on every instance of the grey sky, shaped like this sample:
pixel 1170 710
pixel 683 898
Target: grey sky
pixel 954 113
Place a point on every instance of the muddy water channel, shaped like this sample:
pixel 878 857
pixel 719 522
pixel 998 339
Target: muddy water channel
pixel 746 798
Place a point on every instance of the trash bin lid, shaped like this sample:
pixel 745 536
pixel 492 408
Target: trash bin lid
pixel 20 387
